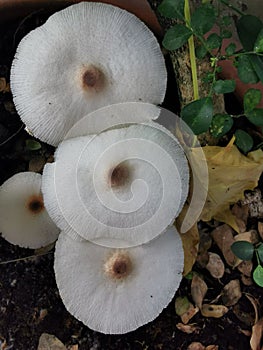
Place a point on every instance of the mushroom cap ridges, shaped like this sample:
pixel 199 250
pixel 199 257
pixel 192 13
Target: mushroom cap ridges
pixel 51 61
pixel 23 218
pixel 98 204
pixel 118 305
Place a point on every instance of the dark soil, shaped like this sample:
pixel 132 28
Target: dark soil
pixel 29 300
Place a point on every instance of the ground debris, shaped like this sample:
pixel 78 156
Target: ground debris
pixel 198 290
pixel 257 331
pixel 241 213
pixel 231 293
pixel 216 311
pixel 50 342
pixel 255 204
pixel 215 265
pixel 188 328
pixel 223 236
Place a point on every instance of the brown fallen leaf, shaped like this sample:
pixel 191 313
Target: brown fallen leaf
pixel 196 346
pixel 204 245
pixel 240 213
pixel 50 342
pixel 212 347
pixel 246 267
pixel 243 316
pixel 215 265
pixel 230 174
pixel 215 311
pixel 249 236
pixel 255 304
pixel 260 229
pixel 198 290
pixel 186 317
pixel 190 240
pixel 231 293
pixel 247 281
pixel 73 347
pixel 257 331
pixel 187 328
pixel 223 236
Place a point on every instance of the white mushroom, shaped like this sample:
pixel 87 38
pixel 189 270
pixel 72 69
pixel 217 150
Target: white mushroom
pixel 120 188
pixel 23 218
pixel 116 291
pixel 84 57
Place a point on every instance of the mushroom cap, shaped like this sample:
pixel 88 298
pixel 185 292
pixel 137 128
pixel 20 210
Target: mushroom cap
pixel 115 291
pixel 84 57
pixel 120 188
pixel 23 218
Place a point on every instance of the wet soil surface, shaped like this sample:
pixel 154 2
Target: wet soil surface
pixel 29 299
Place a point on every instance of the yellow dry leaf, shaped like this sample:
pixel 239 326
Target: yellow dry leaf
pixel 230 174
pixel 190 241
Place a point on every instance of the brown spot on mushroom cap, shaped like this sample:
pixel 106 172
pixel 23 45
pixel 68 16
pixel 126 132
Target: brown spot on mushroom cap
pixel 120 175
pixel 118 265
pixel 35 204
pixel 93 79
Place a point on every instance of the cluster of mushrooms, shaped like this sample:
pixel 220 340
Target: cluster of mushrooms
pixel 89 81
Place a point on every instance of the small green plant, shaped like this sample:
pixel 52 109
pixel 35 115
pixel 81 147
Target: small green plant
pixel 245 251
pixel 193 29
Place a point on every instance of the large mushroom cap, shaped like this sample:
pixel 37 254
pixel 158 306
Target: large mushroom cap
pixel 84 57
pixel 116 291
pixel 23 218
pixel 120 188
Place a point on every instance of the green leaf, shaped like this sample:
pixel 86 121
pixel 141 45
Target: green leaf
pixel 255 116
pixel 248 28
pixel 214 41
pixel 243 250
pixel 260 252
pixel 203 19
pixel 258 46
pixel 243 140
pixel 200 51
pixel 226 20
pixel 221 124
pixel 230 49
pixel 257 64
pixel 246 71
pixel 172 9
pixel 181 305
pixel 258 275
pixel 198 115
pixel 251 99
pixel 32 145
pixel 224 86
pixel 176 37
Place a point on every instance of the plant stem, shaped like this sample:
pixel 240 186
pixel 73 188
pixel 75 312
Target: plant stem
pixel 25 258
pixel 258 260
pixel 192 52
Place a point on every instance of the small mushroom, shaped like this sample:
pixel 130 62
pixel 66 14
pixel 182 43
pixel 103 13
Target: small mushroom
pixel 23 218
pixel 120 188
pixel 115 291
pixel 84 57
